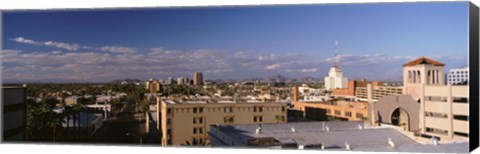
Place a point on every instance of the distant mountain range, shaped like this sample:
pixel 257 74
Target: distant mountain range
pixel 281 78
pixel 269 79
pixel 272 78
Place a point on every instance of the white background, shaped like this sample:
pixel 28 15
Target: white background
pixel 112 149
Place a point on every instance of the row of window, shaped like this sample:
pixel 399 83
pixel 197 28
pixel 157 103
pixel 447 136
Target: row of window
pixel 227 109
pixel 445 99
pixel 457 80
pixel 459 72
pixel 435 114
pixel 458 76
pixel 347 113
pixel 198 120
pixel 198 130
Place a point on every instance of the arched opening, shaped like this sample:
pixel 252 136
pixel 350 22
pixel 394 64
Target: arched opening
pixel 400 118
pixel 429 77
pixel 414 76
pixel 419 78
pixel 433 77
pixel 409 76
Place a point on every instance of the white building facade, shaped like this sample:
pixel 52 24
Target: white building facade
pixel 335 79
pixel 458 75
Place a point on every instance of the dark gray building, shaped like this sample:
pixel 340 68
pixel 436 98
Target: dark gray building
pixel 14 113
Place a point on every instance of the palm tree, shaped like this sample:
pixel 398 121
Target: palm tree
pixel 56 119
pixel 68 113
pixel 77 109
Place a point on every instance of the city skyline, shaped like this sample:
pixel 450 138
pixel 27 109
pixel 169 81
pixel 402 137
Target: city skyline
pixel 231 42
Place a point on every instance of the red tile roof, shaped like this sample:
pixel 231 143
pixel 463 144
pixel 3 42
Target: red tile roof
pixel 423 60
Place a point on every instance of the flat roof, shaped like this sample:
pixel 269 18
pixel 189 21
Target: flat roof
pixel 356 134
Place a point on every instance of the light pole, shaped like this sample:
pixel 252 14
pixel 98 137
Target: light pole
pixel 131 134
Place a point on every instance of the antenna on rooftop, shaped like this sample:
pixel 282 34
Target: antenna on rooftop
pixel 335 64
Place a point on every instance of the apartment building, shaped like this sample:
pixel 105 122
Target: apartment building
pixel 189 120
pixel 342 110
pixel 324 108
pixel 198 78
pixel 378 91
pixel 458 75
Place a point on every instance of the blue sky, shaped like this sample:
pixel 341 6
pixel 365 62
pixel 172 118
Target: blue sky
pixel 231 42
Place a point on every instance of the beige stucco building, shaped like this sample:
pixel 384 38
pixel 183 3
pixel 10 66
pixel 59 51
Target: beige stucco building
pixel 378 92
pixel 432 108
pixel 189 120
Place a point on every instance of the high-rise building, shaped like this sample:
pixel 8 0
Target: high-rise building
pixel 154 86
pixel 458 75
pixel 189 120
pixel 183 81
pixel 335 79
pixel 170 80
pixel 14 101
pixel 198 78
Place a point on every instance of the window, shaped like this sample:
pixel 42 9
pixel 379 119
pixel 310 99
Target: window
pixel 337 112
pixel 257 119
pixel 169 110
pixel 283 108
pixel 461 134
pixel 200 110
pixel 228 119
pixel 194 110
pixel 198 130
pixel 169 121
pixel 228 109
pixel 348 114
pixel 460 100
pixel 435 114
pixel 198 120
pixel 460 117
pixel 258 109
pixel 359 115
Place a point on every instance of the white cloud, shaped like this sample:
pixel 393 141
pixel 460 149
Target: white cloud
pixel 56 52
pixel 308 70
pixel 272 67
pixel 161 63
pixel 27 41
pixel 118 49
pixel 66 46
pixel 61 45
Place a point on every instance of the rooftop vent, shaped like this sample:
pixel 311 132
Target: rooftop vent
pixel 327 128
pixel 347 146
pixel 293 130
pixel 434 140
pixel 390 142
pixel 360 127
pixel 258 130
